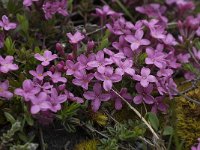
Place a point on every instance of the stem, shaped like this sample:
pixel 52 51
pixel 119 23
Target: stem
pixel 125 10
pixel 138 114
pixel 41 139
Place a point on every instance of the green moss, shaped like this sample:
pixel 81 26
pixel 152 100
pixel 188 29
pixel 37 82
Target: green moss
pixel 188 118
pixel 87 145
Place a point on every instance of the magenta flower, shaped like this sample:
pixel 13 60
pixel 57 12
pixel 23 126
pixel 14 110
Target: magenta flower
pixel 28 90
pixel 170 40
pixel 51 8
pixel 96 96
pixel 159 105
pixel 155 57
pixel 108 78
pixel 56 100
pixel 29 2
pixel 196 53
pixel 105 11
pixel 137 41
pixel 40 103
pixel 184 58
pixel 120 27
pixel 145 77
pixel 83 61
pixel 125 67
pixel 6 24
pixel 100 62
pixel 73 98
pixel 4 90
pixel 118 100
pixel 143 94
pixel 197 147
pixel 115 57
pixel 165 72
pixel 7 65
pixel 46 58
pixel 62 7
pixel 76 38
pixel 39 73
pixel 123 47
pixel 82 79
pixel 56 77
pixel 45 87
pixel 158 32
pixel 71 67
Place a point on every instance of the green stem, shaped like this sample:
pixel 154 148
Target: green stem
pixel 125 10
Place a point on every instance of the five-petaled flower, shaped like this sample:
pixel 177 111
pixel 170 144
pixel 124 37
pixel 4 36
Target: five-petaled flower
pixel 4 90
pixel 6 24
pixel 76 38
pixel 96 96
pixel 145 77
pixel 137 40
pixel 108 78
pixel 39 73
pixel 7 64
pixel 144 94
pixel 46 58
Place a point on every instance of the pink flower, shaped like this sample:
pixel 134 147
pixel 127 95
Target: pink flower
pixel 40 103
pixel 100 62
pixel 39 73
pixel 71 67
pixel 159 105
pixel 29 2
pixel 28 90
pixel 155 57
pixel 56 100
pixel 82 79
pixel 105 11
pixel 197 146
pixel 96 96
pixel 145 77
pixel 165 73
pixel 6 24
pixel 118 100
pixel 137 41
pixel 115 57
pixel 4 90
pixel 125 67
pixel 51 8
pixel 56 77
pixel 143 94
pixel 196 53
pixel 76 38
pixel 7 65
pixel 108 78
pixel 46 58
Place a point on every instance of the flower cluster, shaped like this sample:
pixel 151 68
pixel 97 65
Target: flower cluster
pixel 6 65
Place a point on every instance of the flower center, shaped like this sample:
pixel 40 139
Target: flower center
pixel 40 75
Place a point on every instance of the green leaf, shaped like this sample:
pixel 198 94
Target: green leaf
pixel 9 117
pixel 23 24
pixel 105 42
pixel 153 120
pixel 9 46
pixel 168 130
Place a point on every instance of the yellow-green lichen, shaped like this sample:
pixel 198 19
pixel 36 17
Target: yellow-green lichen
pixel 188 118
pixel 87 145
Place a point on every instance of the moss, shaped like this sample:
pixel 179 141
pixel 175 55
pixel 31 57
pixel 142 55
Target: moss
pixel 87 145
pixel 188 118
pixel 100 118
